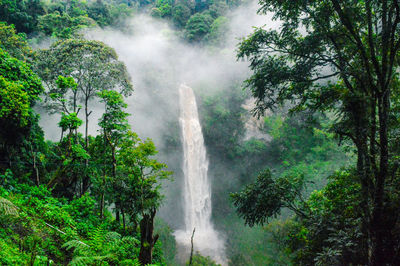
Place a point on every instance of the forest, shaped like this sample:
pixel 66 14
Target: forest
pixel 199 132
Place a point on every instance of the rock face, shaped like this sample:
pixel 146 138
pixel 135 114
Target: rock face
pixel 197 189
pixel 253 124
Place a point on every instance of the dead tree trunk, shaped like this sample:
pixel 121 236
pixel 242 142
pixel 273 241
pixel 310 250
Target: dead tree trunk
pixel 147 241
pixel 191 250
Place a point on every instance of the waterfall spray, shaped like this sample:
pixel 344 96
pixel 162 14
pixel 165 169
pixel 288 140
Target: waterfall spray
pixel 197 189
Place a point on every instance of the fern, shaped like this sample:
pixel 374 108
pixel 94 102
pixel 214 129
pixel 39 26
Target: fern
pixel 7 207
pixel 130 239
pixel 101 247
pixel 87 260
pixel 77 245
pixel 111 236
pixel 97 238
pixel 81 261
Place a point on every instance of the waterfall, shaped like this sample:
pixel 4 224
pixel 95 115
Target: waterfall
pixel 197 189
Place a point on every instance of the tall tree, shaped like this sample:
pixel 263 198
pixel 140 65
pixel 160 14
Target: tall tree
pixel 93 65
pixel 114 126
pixel 140 176
pixel 340 56
pixel 19 90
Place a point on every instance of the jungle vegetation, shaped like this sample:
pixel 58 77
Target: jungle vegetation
pixel 322 187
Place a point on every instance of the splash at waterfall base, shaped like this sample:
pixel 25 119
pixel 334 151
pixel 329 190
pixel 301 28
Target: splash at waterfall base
pixel 206 242
pixel 196 189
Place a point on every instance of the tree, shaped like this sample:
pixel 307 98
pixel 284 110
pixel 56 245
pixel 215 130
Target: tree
pixel 339 56
pixel 93 65
pixel 267 196
pixel 139 186
pixel 198 26
pixel 15 44
pixel 114 125
pixel 63 25
pixel 22 13
pixel 180 14
pixel 19 89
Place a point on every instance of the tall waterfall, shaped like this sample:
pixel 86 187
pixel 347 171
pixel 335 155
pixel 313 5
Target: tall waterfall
pixel 197 189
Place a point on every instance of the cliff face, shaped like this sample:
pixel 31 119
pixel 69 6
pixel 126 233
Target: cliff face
pixel 254 126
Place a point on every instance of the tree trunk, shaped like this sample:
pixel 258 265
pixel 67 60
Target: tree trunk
pixel 147 241
pixel 123 218
pixel 86 124
pixel 86 179
pixel 191 250
pixel 378 225
pixel 35 168
pixel 360 117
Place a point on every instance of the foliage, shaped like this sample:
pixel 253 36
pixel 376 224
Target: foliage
pixel 55 221
pixel 62 25
pixel 330 232
pixel 162 8
pixel 199 260
pixel 19 89
pixel 329 56
pixel 180 15
pixel 218 31
pixel 267 196
pixel 140 175
pixel 22 13
pixel 93 65
pixel 103 246
pixel 198 26
pixel 13 43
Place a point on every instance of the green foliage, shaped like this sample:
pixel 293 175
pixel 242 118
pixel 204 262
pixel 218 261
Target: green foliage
pixel 223 123
pixel 84 211
pixel 167 241
pixel 62 25
pixel 15 104
pixel 11 69
pixel 289 64
pixel 218 31
pixel 70 121
pixel 267 196
pixel 199 260
pixel 218 8
pixel 180 15
pixel 114 121
pixel 330 232
pixel 103 247
pixel 162 8
pixel 198 26
pixel 19 89
pixel 22 13
pixel 98 63
pixel 140 175
pixel 14 44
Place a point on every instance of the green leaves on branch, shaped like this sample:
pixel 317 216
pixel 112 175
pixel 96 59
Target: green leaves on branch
pixel 15 44
pixel 63 25
pixel 114 120
pixel 267 196
pixel 69 122
pixel 19 89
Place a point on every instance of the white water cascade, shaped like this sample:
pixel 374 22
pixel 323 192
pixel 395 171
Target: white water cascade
pixel 197 189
